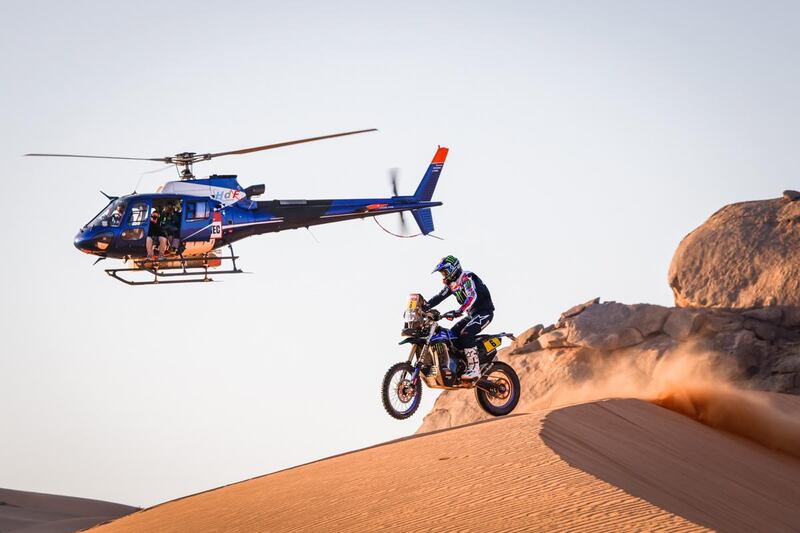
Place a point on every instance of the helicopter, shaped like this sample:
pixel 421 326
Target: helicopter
pixel 208 214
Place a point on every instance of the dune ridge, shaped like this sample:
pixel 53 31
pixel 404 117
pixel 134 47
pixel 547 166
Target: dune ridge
pixel 622 465
pixel 711 478
pixel 695 384
pixel 750 414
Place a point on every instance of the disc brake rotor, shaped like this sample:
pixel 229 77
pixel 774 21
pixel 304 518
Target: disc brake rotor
pixel 405 391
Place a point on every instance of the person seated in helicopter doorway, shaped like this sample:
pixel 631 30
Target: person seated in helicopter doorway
pixel 171 225
pixel 155 231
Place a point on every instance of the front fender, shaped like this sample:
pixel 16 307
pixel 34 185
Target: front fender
pixel 413 340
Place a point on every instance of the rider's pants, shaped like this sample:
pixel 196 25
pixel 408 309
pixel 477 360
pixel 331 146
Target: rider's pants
pixel 467 328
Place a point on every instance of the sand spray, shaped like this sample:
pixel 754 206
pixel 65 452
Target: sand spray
pixel 694 383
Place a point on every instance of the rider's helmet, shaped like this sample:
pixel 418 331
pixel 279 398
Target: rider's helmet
pixel 449 267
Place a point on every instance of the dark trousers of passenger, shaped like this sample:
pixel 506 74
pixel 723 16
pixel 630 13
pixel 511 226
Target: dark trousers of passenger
pixel 467 328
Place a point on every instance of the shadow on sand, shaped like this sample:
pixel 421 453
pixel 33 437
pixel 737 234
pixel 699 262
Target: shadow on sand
pixel 709 477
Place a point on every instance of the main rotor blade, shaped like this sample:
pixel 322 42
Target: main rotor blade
pixel 189 157
pixel 159 159
pixel 287 143
pixel 156 171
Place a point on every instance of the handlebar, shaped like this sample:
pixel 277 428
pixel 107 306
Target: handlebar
pixel 436 316
pixel 433 314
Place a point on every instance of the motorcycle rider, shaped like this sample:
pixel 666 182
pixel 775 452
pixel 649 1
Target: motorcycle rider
pixel 476 302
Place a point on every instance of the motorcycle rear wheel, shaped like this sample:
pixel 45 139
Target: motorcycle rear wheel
pixel 506 396
pixel 400 397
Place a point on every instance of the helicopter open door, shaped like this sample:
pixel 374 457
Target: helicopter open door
pixel 199 222
pixel 197 226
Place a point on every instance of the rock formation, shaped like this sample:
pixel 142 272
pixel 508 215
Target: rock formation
pixel 746 255
pixel 736 281
pixel 759 347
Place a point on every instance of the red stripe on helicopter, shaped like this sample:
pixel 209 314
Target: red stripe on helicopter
pixel 373 207
pixel 441 155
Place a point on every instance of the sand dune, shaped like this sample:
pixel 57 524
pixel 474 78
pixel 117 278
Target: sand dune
pixel 34 512
pixel 600 466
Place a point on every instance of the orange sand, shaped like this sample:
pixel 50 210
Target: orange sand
pixel 602 466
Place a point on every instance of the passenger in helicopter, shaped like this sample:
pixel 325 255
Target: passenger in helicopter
pixel 171 224
pixel 156 231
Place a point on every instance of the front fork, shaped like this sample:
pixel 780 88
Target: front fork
pixel 415 374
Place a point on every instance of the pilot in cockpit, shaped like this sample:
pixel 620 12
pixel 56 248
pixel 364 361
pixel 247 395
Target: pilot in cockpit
pixel 116 216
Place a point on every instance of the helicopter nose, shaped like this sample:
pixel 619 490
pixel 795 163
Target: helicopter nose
pixel 82 243
pixel 92 244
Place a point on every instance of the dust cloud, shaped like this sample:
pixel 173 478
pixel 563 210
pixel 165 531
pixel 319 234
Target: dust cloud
pixel 693 383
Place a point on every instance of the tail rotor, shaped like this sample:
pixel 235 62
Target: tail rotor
pixel 393 177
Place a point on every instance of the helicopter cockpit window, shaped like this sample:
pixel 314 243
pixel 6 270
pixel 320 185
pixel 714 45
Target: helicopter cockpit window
pixel 111 215
pixel 138 214
pixel 196 210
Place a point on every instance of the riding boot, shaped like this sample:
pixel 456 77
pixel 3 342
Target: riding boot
pixel 473 370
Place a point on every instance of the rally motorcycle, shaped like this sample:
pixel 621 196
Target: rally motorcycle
pixel 436 361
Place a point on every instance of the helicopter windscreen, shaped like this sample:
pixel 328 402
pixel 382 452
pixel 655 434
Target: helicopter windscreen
pixel 111 215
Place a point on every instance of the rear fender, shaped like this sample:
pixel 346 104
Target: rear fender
pixel 486 357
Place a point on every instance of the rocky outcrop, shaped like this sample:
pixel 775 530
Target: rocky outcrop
pixel 736 281
pixel 761 347
pixel 747 255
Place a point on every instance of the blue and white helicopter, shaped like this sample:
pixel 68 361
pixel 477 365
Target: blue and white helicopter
pixel 200 216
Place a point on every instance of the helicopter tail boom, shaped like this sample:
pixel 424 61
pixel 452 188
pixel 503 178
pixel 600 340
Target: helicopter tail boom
pixel 428 183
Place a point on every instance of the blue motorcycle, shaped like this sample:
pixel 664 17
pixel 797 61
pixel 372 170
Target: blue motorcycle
pixel 436 361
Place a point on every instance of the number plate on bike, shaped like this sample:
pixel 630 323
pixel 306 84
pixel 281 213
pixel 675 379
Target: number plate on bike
pixel 491 344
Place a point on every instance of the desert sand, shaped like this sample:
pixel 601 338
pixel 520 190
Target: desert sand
pixel 612 465
pixel 34 512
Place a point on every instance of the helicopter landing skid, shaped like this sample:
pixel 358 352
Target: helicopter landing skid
pixel 167 270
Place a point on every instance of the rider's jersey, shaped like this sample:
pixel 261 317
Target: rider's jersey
pixel 471 293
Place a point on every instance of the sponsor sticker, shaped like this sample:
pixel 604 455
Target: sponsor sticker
pixel 216 225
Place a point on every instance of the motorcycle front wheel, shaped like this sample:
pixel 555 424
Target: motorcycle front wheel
pixel 502 394
pixel 399 395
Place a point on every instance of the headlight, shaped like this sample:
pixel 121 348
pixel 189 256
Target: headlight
pixel 410 315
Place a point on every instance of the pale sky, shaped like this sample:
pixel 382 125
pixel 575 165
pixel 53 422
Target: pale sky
pixel 587 138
